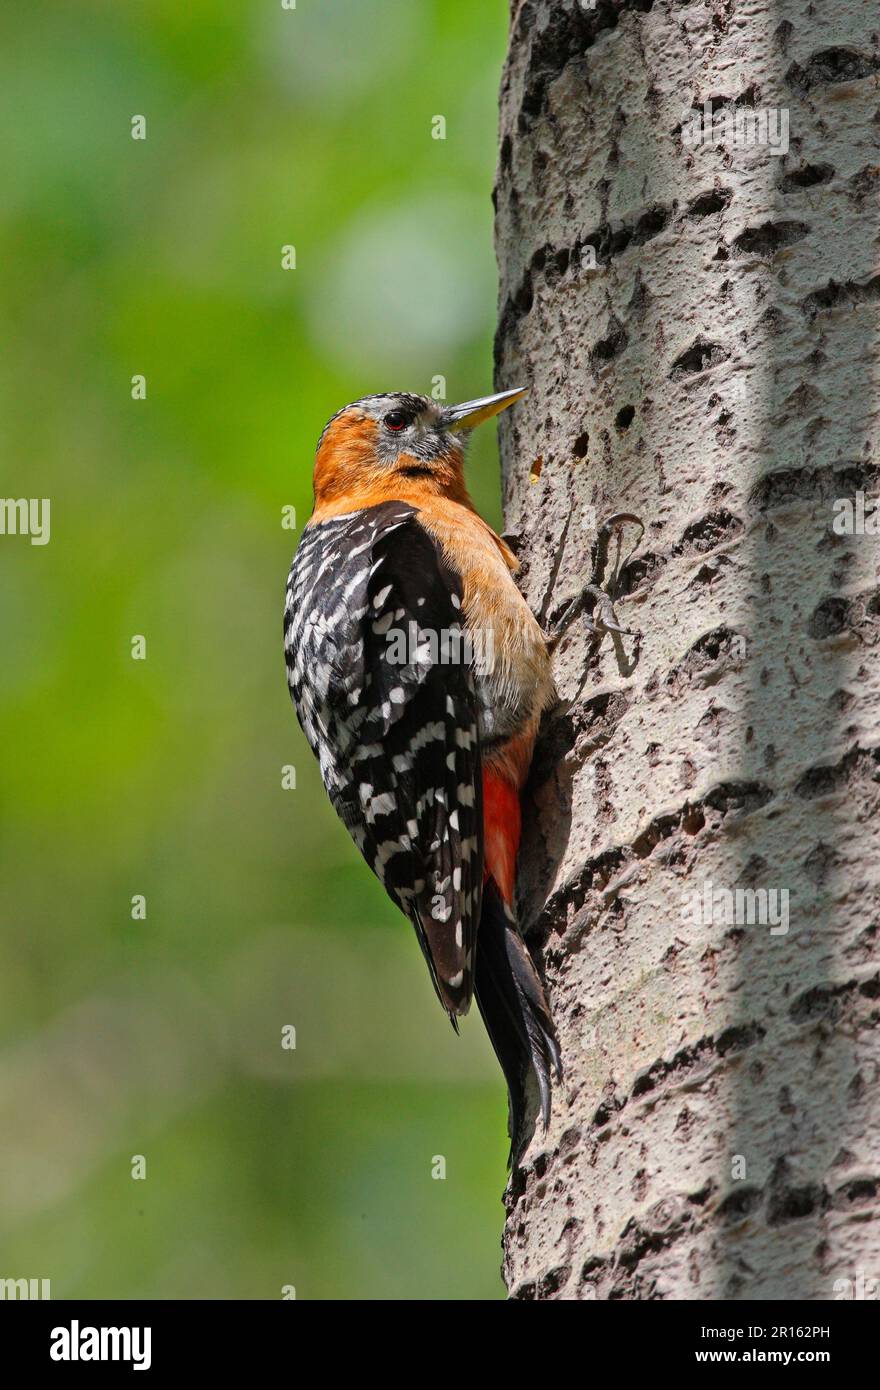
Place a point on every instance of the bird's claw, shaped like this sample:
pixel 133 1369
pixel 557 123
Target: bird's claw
pixel 603 618
pixel 613 526
pixel 595 600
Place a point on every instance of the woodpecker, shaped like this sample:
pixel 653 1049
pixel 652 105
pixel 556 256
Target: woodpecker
pixel 419 676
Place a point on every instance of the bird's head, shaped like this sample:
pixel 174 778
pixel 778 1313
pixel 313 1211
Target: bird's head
pixel 398 445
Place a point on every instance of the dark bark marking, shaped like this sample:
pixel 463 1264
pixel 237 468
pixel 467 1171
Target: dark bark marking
pixel 806 176
pixel 706 661
pixel 848 295
pixel 857 764
pixel 832 65
pixel 716 200
pixel 768 238
pixel 708 532
pixel 785 486
pixel 701 356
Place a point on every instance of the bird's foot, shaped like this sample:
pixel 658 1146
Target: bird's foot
pixel 595 601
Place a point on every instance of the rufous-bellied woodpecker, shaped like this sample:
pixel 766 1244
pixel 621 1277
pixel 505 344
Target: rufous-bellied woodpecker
pixel 419 676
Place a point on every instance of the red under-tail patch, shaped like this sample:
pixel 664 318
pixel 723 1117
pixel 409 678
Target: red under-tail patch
pixel 502 823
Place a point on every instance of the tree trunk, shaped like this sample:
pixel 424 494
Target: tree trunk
pixel 716 1135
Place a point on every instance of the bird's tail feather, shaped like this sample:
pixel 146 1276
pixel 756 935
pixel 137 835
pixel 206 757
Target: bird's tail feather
pixel 514 1007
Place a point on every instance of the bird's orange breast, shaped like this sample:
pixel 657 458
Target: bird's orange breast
pixel 518 684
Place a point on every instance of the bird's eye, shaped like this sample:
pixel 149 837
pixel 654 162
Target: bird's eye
pixel 397 419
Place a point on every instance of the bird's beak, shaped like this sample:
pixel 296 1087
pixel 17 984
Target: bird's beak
pixel 472 413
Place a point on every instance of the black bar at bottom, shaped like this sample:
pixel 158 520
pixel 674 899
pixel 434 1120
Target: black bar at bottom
pixel 215 1338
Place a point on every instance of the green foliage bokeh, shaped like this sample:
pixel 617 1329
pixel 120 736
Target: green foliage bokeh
pixel 265 127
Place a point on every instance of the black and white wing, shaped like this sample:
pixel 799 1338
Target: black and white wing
pixel 382 681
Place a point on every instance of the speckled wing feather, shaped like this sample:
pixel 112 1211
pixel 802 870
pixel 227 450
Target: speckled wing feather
pixel 383 687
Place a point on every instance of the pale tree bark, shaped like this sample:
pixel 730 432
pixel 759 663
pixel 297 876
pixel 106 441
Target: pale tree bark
pixel 717 1133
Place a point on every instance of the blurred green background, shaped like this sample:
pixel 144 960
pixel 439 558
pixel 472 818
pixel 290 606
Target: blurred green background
pixel 265 127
